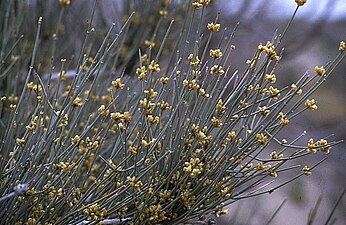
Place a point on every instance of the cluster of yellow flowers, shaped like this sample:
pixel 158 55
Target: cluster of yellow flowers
pixel 141 72
pixel 217 70
pixel 215 53
pixel 214 27
pixel 34 87
pixel 262 139
pixel 95 212
pixel 155 67
pixel 77 102
pixel 194 61
pixel 283 119
pixel 34 122
pixel 271 78
pixel 117 84
pixel 269 49
pixel 200 4
pixel 126 116
pixel 321 145
pixel 311 104
pixel 193 167
pixel 63 166
pixel 103 111
pixel 136 185
pixel 319 70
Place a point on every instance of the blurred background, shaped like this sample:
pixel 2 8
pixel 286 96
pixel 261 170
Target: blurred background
pixel 313 39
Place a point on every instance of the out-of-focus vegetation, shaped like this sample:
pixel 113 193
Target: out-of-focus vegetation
pixel 148 112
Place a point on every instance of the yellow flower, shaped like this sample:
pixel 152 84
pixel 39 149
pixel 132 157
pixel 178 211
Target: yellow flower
pixel 64 120
pixel 220 107
pixel 95 212
pixel 293 87
pixel 220 212
pixel 106 99
pixel 65 2
pixel 63 166
pixel 275 155
pixel 20 141
pixel 319 70
pixel 77 102
pixel 127 117
pixel 154 66
pixel 150 191
pixel 232 134
pixel 214 27
pixel 144 59
pixel 342 46
pixel 151 93
pixel 163 105
pixel 13 98
pixel 191 85
pixel 34 87
pixel 269 49
pixel 193 167
pixel 311 104
pixel 311 146
pixel 204 2
pixel 133 183
pixel 197 5
pixel 203 93
pixel 263 110
pixel 133 150
pixel 116 116
pixel 273 174
pixel 216 70
pixel 270 78
pixel 193 62
pixel 323 146
pixel 260 166
pixel 153 120
pixel 163 13
pixel 150 44
pixel 164 80
pixel 306 170
pixel 195 73
pixel 148 144
pixel 216 122
pixel 121 126
pixel 141 72
pixel 300 2
pixel 75 139
pixel 102 111
pixel 194 128
pixel 117 84
pixel 283 120
pixel 273 93
pixel 215 53
pixel 62 76
pixel 13 107
pixel 262 139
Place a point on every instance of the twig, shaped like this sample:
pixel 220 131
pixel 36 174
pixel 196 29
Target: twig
pixel 19 189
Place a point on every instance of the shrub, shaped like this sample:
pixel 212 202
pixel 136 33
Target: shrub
pixel 172 139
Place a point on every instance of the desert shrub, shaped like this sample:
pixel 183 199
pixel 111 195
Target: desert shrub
pixel 147 129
